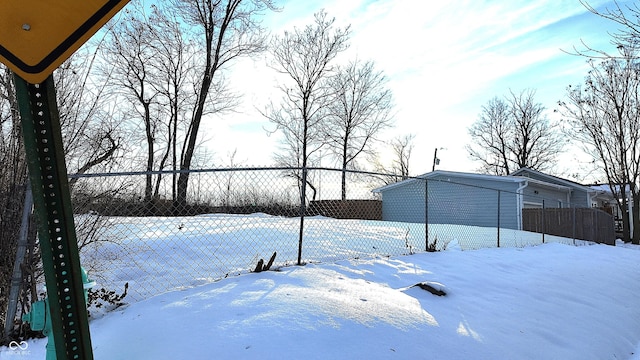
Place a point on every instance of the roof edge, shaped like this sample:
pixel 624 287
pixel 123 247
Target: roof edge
pixel 435 173
pixel 565 182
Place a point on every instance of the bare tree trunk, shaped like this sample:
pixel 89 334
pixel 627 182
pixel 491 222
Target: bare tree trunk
pixel 150 137
pixel 343 182
pixel 187 158
pixel 228 31
pixel 345 162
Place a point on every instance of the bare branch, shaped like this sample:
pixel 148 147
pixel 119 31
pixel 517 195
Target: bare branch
pixel 604 117
pixel 305 57
pixel 226 30
pixel 360 108
pixel 514 133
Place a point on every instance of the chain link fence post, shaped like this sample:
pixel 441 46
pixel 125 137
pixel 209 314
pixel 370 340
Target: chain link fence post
pixel 21 250
pixel 426 214
pixel 544 220
pixel 498 224
pixel 303 195
pixel 574 225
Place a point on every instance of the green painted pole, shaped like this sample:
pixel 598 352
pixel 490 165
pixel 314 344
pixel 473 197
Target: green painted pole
pixel 54 215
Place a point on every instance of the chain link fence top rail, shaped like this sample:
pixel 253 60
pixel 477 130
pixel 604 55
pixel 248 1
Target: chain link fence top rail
pixel 234 217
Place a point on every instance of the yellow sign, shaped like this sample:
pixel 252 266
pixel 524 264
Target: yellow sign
pixel 36 36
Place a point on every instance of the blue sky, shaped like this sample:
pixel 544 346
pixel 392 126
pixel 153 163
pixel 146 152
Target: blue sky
pixel 444 60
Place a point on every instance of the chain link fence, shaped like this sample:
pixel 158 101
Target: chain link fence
pixel 231 220
pixel 136 238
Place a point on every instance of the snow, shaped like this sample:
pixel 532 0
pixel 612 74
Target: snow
pixel 155 255
pixel 551 301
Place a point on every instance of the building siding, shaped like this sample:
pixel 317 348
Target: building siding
pixel 536 194
pixel 472 199
pixel 454 200
pixel 455 203
pixel 578 198
pixel 404 203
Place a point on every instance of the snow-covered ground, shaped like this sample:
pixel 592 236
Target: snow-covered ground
pixel 159 254
pixel 552 301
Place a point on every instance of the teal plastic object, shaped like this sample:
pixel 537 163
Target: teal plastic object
pixel 39 316
pixel 86 284
pixel 39 319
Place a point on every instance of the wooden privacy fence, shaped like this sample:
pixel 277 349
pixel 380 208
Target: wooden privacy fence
pixel 347 209
pixel 577 223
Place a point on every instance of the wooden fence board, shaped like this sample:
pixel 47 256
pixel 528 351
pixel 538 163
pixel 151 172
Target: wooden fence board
pixel 347 209
pixel 576 223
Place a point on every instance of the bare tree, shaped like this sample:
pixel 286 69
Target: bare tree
pixel 227 30
pixel 173 71
pixel 624 62
pixel 128 57
pixel 401 149
pixel 627 16
pixel 491 135
pixel 514 133
pixel 604 117
pixel 89 126
pixel 304 56
pixel 359 110
pixel 537 140
pixel 13 181
pixel 226 186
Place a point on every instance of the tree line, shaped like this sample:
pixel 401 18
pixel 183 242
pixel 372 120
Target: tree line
pixel 137 95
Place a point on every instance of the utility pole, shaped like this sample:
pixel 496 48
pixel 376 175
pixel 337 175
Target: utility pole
pixel 436 161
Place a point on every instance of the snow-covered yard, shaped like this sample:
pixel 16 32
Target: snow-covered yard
pixel 552 301
pixel 159 254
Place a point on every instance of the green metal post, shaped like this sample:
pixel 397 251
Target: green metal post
pixel 54 215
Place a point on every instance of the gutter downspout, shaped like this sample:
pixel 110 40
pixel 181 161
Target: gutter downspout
pixel 520 201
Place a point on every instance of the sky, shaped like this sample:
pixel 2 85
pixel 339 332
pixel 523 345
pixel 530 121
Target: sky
pixel 551 301
pixel 443 60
